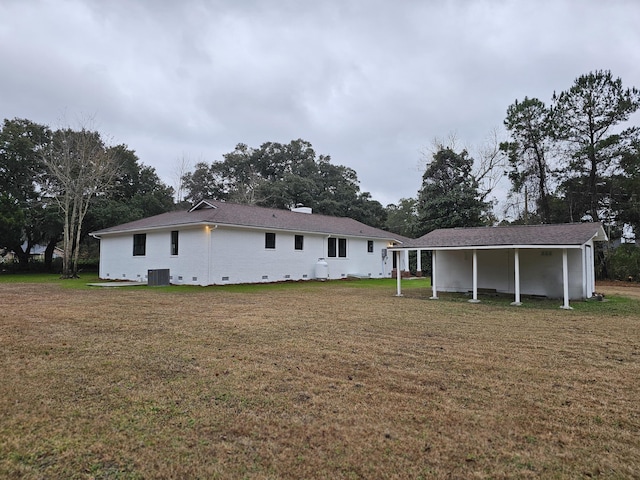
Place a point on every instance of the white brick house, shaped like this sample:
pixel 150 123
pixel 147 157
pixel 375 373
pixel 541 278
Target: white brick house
pixel 223 243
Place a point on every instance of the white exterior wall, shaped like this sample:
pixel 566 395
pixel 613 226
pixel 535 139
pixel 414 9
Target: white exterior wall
pixel 454 270
pixel 117 261
pixel 239 256
pixel 540 271
pixel 226 255
pixel 361 262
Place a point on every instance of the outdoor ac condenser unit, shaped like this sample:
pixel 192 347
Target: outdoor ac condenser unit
pixel 158 278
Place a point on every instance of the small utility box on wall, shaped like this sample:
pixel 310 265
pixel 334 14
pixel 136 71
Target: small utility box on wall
pixel 158 278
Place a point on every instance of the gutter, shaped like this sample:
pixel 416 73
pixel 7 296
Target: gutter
pixel 486 247
pixel 99 235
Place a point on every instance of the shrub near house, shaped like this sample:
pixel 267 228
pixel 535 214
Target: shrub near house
pixel 624 263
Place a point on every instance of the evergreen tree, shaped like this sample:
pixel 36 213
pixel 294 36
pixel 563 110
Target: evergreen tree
pixel 449 196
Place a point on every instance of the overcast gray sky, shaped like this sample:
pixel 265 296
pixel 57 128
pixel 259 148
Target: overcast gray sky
pixel 370 83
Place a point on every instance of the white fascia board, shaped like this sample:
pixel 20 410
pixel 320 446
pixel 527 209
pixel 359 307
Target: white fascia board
pixel 202 202
pixel 491 247
pixel 341 235
pixel 244 227
pixel 600 235
pixel 156 228
pixel 310 232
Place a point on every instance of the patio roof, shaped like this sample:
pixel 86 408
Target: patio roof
pixel 566 234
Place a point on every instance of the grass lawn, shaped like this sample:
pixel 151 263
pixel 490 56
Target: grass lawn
pixel 313 380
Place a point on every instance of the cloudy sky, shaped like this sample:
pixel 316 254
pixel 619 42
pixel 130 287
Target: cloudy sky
pixel 369 82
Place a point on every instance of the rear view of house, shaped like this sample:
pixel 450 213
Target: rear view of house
pixel 223 243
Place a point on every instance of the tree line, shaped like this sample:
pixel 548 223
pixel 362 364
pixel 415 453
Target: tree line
pixel 576 159
pixel 282 176
pixel 57 185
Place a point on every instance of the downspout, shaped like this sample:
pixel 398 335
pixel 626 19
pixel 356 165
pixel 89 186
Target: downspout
pixel 325 248
pixel 100 263
pixel 209 229
pixel 383 259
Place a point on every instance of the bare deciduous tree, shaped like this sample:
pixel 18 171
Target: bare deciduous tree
pixel 80 167
pixel 181 168
pixel 490 164
pixel 488 161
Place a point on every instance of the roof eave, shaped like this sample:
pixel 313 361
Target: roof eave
pixel 600 235
pixel 487 247
pixel 98 234
pixel 202 204
pixel 101 233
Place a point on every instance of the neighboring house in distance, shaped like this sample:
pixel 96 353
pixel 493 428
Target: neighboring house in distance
pixel 37 252
pixel 223 243
pixel 556 261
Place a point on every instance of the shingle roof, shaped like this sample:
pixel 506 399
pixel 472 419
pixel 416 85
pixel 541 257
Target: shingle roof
pixel 559 234
pixel 233 214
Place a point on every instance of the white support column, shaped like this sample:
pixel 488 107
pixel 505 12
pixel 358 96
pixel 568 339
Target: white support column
pixel 434 288
pixel 418 261
pixel 406 259
pixel 565 280
pixel 591 269
pixel 398 273
pixel 585 281
pixel 207 230
pixel 516 268
pixel 475 278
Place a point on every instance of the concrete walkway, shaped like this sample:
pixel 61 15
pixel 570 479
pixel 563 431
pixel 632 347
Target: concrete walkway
pixel 118 284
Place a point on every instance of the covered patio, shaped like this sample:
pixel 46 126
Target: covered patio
pixel 555 261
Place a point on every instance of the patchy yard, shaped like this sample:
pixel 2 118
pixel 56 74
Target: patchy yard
pixel 314 381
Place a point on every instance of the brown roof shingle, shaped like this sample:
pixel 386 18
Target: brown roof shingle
pixel 251 216
pixel 558 234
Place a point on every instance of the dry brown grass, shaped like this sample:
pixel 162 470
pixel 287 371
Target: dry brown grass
pixel 313 381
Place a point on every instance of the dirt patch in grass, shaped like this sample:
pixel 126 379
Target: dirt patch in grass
pixel 317 381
